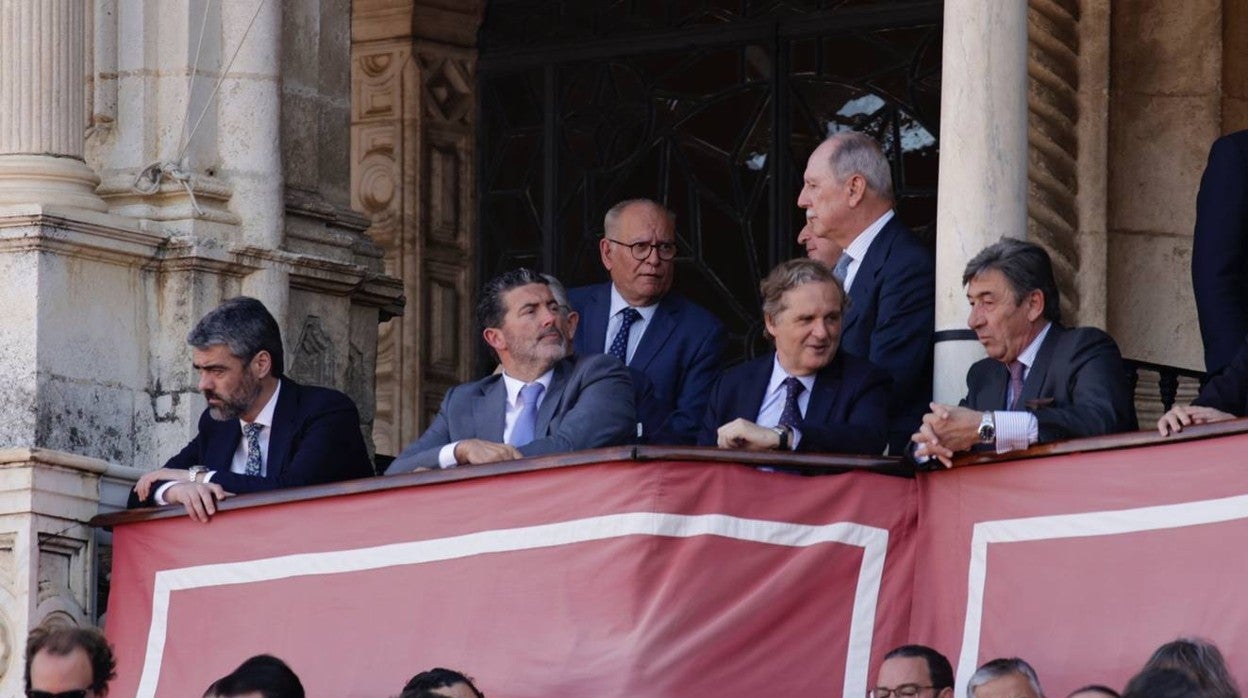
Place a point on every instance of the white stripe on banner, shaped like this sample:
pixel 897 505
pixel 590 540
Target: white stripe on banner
pixel 1083 525
pixel 873 541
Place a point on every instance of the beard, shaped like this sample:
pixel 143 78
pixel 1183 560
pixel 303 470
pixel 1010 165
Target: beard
pixel 235 404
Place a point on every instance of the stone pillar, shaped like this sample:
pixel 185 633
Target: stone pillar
pixel 412 172
pixel 983 163
pixel 47 550
pixel 42 105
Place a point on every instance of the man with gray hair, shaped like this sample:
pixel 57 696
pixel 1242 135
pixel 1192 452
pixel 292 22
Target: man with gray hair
pixel 543 401
pixel 888 274
pixel 1041 381
pixel 1004 678
pixel 261 430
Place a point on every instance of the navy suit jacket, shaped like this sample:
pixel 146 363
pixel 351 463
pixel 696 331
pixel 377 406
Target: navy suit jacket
pixel 589 404
pixel 890 321
pixel 1220 251
pixel 676 362
pixel 847 413
pixel 315 439
pixel 1078 386
pixel 1228 390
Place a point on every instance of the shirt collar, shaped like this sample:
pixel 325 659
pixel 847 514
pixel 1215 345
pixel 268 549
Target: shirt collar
pixel 265 418
pixel 858 248
pixel 618 303
pixel 778 374
pixel 1028 356
pixel 515 384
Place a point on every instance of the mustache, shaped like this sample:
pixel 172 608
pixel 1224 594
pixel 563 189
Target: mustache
pixel 552 332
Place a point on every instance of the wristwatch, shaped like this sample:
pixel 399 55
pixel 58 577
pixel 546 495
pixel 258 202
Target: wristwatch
pixel 987 429
pixel 193 472
pixel 783 433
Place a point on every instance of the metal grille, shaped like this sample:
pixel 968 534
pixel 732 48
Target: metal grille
pixel 711 108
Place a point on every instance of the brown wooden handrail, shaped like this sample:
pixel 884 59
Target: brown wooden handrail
pixel 813 464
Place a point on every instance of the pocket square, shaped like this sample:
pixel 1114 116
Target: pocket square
pixel 1039 402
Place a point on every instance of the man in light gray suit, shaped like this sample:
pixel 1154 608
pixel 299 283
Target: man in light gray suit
pixel 544 401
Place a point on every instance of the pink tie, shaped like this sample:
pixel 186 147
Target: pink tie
pixel 1016 384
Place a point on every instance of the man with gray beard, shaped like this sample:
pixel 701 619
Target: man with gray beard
pixel 261 430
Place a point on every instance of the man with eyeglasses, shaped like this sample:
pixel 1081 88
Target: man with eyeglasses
pixel 913 670
pixel 68 662
pixel 671 345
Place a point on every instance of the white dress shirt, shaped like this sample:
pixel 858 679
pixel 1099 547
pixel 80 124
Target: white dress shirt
pixel 446 454
pixel 857 249
pixel 773 400
pixel 1020 429
pixel 614 320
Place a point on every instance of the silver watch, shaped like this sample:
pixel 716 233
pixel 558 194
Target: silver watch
pixel 987 429
pixel 193 472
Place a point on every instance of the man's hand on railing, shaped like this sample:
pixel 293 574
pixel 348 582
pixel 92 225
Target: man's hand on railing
pixel 1179 416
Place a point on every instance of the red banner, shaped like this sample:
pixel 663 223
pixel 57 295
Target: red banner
pixel 1084 564
pixel 626 579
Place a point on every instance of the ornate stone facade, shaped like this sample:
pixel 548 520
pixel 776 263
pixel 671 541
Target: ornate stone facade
pixel 412 151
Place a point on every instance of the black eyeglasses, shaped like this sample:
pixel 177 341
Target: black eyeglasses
pixel 80 693
pixel 641 250
pixel 905 690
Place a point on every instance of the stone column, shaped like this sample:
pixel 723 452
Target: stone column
pixel 42 100
pixel 983 163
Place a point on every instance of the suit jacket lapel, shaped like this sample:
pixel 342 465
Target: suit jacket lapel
pixel 282 431
pixel 823 395
pixel 220 452
pixel 554 396
pixel 992 392
pixel 1040 369
pixel 865 280
pixel 489 411
pixel 753 390
pixel 657 331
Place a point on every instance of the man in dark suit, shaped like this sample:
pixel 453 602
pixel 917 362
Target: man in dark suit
pixel 671 345
pixel 1224 397
pixel 1220 251
pixel 1041 381
pixel 542 402
pixel 807 395
pixel 889 275
pixel 294 434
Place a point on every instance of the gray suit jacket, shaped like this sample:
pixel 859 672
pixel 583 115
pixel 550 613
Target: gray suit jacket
pixel 589 404
pixel 1077 387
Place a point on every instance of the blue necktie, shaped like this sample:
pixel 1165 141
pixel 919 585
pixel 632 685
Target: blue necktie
pixel 842 267
pixel 526 421
pixel 619 345
pixel 791 416
pixel 252 432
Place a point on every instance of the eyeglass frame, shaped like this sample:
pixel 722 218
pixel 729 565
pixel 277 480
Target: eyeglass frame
pixel 647 247
pixel 881 692
pixel 76 693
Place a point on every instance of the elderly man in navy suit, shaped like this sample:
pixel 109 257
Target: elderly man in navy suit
pixel 807 395
pixel 544 401
pixel 261 431
pixel 671 345
pixel 889 275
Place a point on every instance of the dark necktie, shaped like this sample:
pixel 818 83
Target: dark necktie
pixel 791 416
pixel 526 422
pixel 1016 384
pixel 619 345
pixel 842 267
pixel 252 432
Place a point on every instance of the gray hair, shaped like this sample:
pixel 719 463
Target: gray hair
pixel 613 214
pixel 243 325
pixel 1199 659
pixel 857 153
pixel 559 292
pixel 791 274
pixel 998 668
pixel 1026 266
